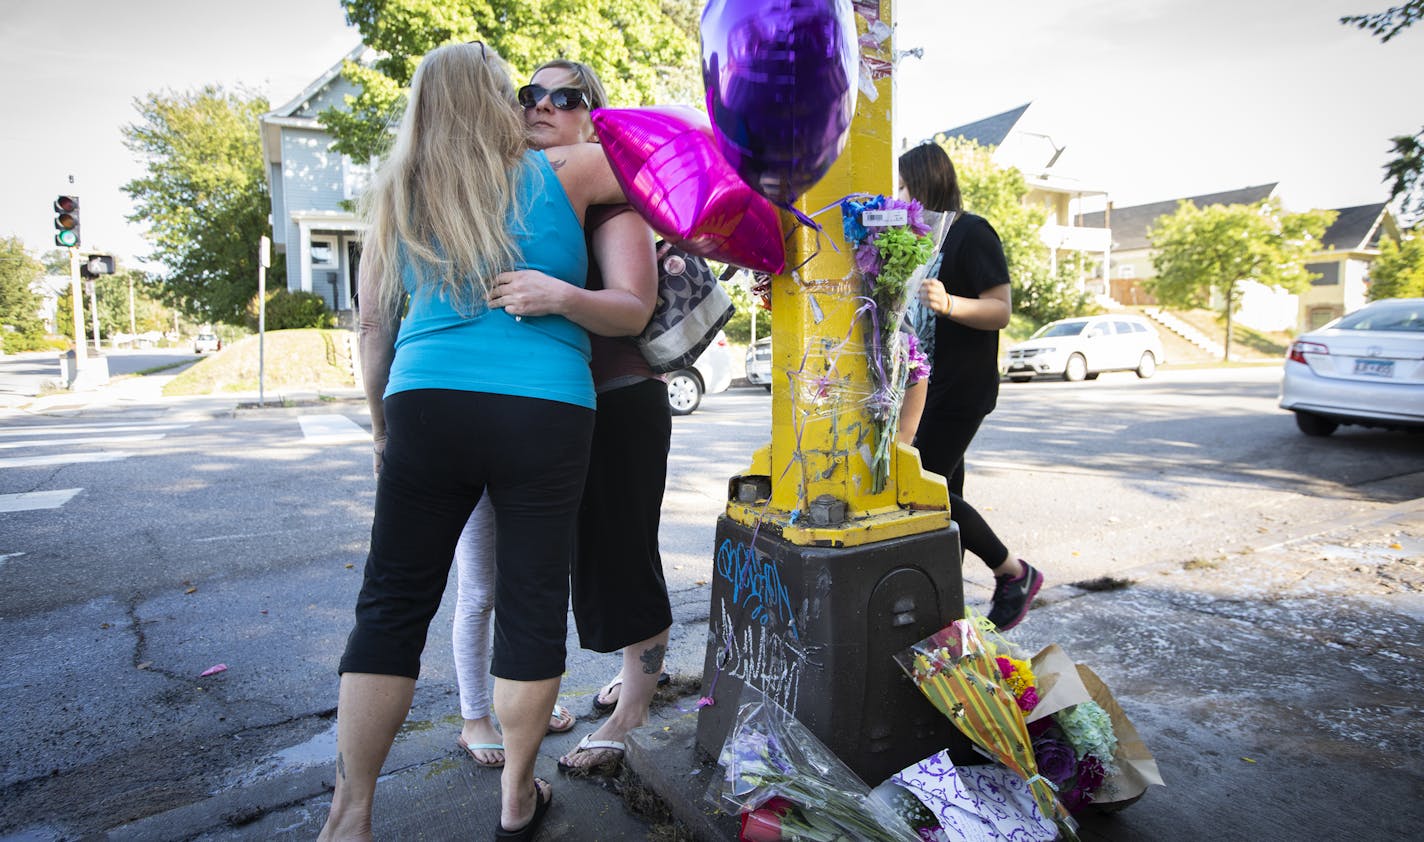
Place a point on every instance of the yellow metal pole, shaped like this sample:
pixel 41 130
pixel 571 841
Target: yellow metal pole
pixel 822 435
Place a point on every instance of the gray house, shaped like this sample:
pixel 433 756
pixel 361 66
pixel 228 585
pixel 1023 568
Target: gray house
pixel 314 227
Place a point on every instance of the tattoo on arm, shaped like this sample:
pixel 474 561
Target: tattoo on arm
pixel 340 766
pixel 652 658
pixel 558 165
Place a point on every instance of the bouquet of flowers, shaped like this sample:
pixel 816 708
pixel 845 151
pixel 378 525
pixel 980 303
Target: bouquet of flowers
pixel 1083 741
pixel 893 245
pixel 787 785
pixel 959 672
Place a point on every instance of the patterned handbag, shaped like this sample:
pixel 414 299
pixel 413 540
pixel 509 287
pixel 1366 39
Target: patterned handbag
pixel 692 306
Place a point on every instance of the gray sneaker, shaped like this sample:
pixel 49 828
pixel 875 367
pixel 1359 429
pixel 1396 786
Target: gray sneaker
pixel 1012 597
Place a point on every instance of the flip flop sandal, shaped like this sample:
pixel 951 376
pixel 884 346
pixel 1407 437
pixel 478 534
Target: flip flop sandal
pixel 471 748
pixel 606 766
pixel 601 707
pixel 541 807
pixel 562 714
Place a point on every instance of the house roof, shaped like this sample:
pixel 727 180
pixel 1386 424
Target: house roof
pixel 989 131
pixel 294 107
pixel 1129 225
pixel 1355 228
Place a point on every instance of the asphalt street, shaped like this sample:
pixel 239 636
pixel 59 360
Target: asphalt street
pixel 144 542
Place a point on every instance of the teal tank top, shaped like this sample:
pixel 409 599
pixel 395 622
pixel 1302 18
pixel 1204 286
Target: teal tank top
pixel 536 357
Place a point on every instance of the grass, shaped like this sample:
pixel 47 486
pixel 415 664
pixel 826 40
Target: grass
pixel 305 360
pixel 1246 342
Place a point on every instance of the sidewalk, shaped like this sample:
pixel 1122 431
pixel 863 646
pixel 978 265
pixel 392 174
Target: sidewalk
pixel 1279 690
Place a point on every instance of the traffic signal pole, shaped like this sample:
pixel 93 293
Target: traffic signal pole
pixel 819 578
pixel 76 299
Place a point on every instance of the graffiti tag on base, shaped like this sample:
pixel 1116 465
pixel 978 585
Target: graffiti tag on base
pixel 756 586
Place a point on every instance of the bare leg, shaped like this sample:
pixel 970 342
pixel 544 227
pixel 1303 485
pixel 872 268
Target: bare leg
pixel 523 710
pixel 369 712
pixel 642 664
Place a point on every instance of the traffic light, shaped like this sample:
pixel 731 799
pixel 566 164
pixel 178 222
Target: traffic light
pixel 96 265
pixel 66 221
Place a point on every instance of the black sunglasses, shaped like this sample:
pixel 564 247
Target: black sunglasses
pixel 564 99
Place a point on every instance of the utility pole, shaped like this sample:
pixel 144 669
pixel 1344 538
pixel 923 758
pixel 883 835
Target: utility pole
pixel 133 329
pixel 264 259
pixel 820 576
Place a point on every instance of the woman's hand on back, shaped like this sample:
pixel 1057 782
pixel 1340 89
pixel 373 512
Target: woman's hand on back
pixel 526 292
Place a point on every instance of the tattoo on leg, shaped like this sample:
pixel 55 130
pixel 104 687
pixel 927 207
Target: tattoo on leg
pixel 340 766
pixel 652 658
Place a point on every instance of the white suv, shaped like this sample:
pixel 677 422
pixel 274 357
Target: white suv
pixel 711 372
pixel 1082 348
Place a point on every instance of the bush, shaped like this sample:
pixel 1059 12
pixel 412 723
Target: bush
pixel 15 340
pixel 294 310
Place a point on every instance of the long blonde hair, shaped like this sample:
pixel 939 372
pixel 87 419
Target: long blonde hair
pixel 441 201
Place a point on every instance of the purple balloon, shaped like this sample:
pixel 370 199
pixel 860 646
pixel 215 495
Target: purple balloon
pixel 781 86
pixel 669 167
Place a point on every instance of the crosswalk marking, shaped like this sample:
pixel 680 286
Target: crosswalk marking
pixel 62 459
pixel 25 501
pixel 69 442
pixel 64 429
pixel 331 428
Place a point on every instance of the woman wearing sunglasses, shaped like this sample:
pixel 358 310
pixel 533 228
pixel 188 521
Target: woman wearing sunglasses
pixel 467 399
pixel 620 598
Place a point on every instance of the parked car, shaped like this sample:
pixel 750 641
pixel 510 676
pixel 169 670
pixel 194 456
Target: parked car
pixel 759 363
pixel 1084 347
pixel 207 342
pixel 1366 368
pixel 710 373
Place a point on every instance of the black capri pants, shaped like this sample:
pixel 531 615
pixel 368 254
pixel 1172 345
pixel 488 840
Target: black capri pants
pixel 619 594
pixel 444 449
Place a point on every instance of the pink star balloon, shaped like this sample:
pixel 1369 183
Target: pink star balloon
pixel 669 166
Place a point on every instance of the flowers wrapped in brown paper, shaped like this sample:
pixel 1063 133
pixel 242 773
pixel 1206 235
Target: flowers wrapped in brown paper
pixel 1063 684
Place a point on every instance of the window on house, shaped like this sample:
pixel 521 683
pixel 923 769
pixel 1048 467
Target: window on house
pixel 354 176
pixel 1329 274
pixel 1127 270
pixel 322 253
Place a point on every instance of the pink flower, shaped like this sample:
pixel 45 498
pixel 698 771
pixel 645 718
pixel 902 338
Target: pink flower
pixel 1029 700
pixel 1006 667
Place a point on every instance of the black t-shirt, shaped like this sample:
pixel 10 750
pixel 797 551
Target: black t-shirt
pixel 965 376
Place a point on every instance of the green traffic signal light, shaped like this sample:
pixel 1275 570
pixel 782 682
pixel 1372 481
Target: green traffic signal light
pixel 66 221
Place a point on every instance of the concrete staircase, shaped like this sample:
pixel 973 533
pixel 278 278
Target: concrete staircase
pixel 1181 329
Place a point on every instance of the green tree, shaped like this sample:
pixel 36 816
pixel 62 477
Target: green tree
pixel 1399 270
pixel 997 194
pixel 1405 171
pixel 645 51
pixel 739 327
pixel 112 292
pixel 20 325
pixel 1202 252
pixel 203 196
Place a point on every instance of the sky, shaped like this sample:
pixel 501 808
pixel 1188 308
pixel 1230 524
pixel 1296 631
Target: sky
pixel 1150 99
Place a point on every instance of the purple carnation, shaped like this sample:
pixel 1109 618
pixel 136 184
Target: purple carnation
pixel 1039 727
pixel 1091 774
pixel 1056 760
pixel 867 259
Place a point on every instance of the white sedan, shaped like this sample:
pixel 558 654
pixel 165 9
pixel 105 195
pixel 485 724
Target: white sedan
pixel 1364 368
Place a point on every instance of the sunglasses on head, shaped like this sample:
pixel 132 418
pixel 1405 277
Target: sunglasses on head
pixel 564 99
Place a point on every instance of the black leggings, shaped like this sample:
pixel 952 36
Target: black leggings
pixel 443 449
pixel 942 442
pixel 619 594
